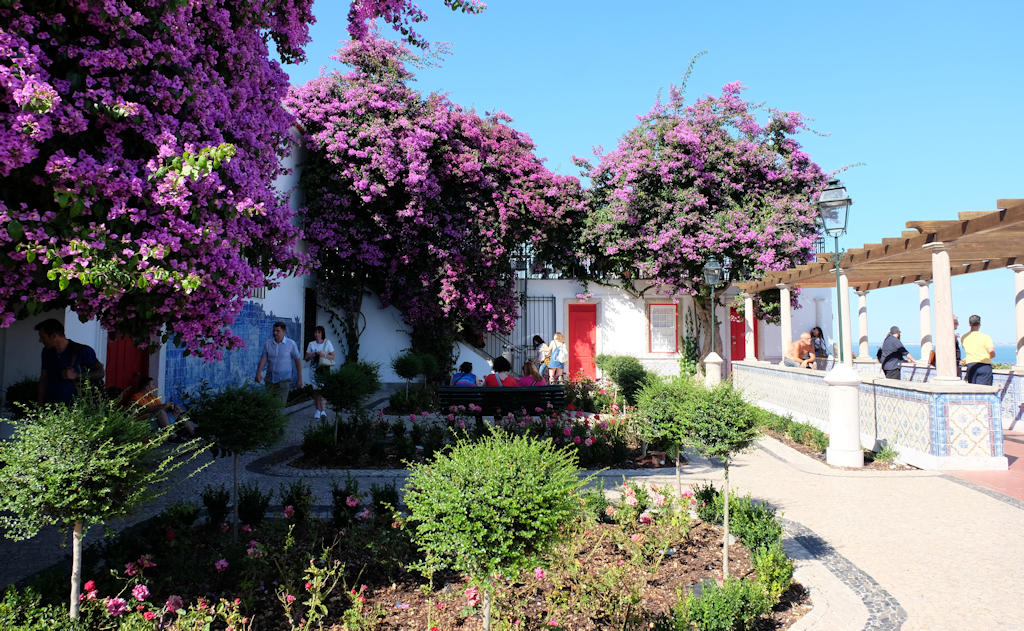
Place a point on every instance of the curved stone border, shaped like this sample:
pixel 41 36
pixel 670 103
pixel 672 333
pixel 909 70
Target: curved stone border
pixel 884 611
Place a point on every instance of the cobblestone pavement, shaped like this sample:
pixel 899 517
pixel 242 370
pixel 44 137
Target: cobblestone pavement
pixel 912 550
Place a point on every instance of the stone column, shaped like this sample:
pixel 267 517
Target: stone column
pixel 748 330
pixel 945 352
pixel 1018 292
pixel 847 341
pixel 862 324
pixel 843 417
pixel 712 370
pixel 785 319
pixel 924 306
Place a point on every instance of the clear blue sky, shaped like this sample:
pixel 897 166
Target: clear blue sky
pixel 927 95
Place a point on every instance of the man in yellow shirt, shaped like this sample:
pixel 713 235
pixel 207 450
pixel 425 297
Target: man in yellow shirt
pixel 978 353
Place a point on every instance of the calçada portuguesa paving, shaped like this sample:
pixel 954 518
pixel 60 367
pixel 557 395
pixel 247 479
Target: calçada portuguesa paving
pixel 913 550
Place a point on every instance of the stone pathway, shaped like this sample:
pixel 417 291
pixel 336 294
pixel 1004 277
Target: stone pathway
pixel 913 550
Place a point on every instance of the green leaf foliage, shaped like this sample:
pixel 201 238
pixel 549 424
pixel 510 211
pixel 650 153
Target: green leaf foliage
pixel 625 372
pixel 660 408
pixel 491 506
pixel 92 460
pixel 718 423
pixel 774 571
pixel 239 418
pixel 25 611
pixel 348 387
pixel 407 365
pixel 735 606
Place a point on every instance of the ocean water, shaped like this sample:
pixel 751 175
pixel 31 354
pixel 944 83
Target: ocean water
pixel 1005 354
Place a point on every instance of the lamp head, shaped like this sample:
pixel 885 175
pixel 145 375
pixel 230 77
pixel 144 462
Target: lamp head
pixel 834 207
pixel 712 272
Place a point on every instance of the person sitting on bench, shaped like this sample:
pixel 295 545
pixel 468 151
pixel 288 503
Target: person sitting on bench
pixel 500 376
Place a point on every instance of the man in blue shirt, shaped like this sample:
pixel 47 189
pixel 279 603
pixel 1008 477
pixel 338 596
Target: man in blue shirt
pixel 892 354
pixel 63 362
pixel 279 355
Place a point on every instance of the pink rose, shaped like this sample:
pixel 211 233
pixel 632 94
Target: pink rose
pixel 631 500
pixel 220 565
pixel 645 518
pixel 567 431
pixel 289 511
pixel 174 603
pixel 116 606
pixel 352 501
pixel 89 586
pixel 577 440
pixel 141 592
pixel 588 442
pixel 290 598
pixel 658 499
pixel 539 573
pixel 637 537
pixel 472 597
pixel 131 568
pixel 363 514
pixel 610 510
pixel 149 615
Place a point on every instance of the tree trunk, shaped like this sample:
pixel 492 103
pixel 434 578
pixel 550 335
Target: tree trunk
pixel 725 520
pixel 487 610
pixel 702 311
pixel 234 528
pixel 76 567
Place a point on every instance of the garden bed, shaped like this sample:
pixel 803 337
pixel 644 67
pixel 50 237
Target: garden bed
pixel 870 462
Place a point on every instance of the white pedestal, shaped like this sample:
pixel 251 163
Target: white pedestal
pixel 712 370
pixel 844 417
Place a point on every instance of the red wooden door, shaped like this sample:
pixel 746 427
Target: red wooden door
pixel 737 337
pixel 124 359
pixel 582 341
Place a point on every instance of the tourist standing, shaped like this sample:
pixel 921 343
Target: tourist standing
pixel 820 346
pixel 280 355
pixel 541 355
pixel 320 355
pixel 978 353
pixel 63 361
pixel 800 353
pixel 892 353
pixel 559 357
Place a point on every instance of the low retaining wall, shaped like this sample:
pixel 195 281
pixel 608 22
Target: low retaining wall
pixel 933 426
pixel 1009 382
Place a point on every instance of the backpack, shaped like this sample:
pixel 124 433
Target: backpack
pixel 879 354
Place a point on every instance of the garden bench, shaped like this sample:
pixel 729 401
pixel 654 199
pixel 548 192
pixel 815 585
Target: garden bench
pixel 499 400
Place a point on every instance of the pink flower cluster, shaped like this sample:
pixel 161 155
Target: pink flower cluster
pixel 695 179
pixel 420 199
pixel 101 103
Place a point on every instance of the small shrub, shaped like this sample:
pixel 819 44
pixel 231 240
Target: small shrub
pixel 384 498
pixel 318 441
pixel 754 524
pixel 887 453
pixel 402 402
pixel 774 571
pixel 797 431
pixel 252 503
pixel 344 509
pixel 299 496
pixel 735 606
pixel 817 439
pixel 25 611
pixel 708 502
pixel 348 387
pixel 216 500
pixel 21 394
pixel 625 372
pixel 407 366
pixel 180 515
pixel 495 505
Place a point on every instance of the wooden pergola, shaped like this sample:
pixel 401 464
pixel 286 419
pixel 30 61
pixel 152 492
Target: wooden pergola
pixel 978 241
pixel 927 253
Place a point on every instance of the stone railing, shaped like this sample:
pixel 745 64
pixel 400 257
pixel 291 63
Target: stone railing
pixel 1009 382
pixel 933 426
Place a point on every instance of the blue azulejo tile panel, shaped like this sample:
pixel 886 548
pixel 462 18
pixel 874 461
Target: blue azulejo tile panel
pixel 187 373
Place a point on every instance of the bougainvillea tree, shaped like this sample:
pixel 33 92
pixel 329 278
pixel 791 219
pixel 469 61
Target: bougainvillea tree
pixel 692 181
pixel 139 142
pixel 400 14
pixel 420 200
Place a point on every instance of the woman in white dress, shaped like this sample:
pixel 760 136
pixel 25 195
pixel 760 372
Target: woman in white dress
pixel 320 355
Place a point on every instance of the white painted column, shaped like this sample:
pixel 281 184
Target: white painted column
pixel 847 341
pixel 924 306
pixel 785 320
pixel 748 330
pixel 843 417
pixel 819 312
pixel 1018 292
pixel 862 324
pixel 945 353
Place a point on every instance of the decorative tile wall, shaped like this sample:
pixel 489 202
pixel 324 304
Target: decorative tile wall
pixel 938 424
pixel 187 373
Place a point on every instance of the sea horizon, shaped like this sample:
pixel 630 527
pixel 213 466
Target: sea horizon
pixel 1005 353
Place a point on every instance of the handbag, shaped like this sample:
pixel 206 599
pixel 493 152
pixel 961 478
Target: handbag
pixel 325 362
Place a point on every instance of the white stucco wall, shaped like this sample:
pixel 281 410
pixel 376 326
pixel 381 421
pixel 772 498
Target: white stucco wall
pixel 811 313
